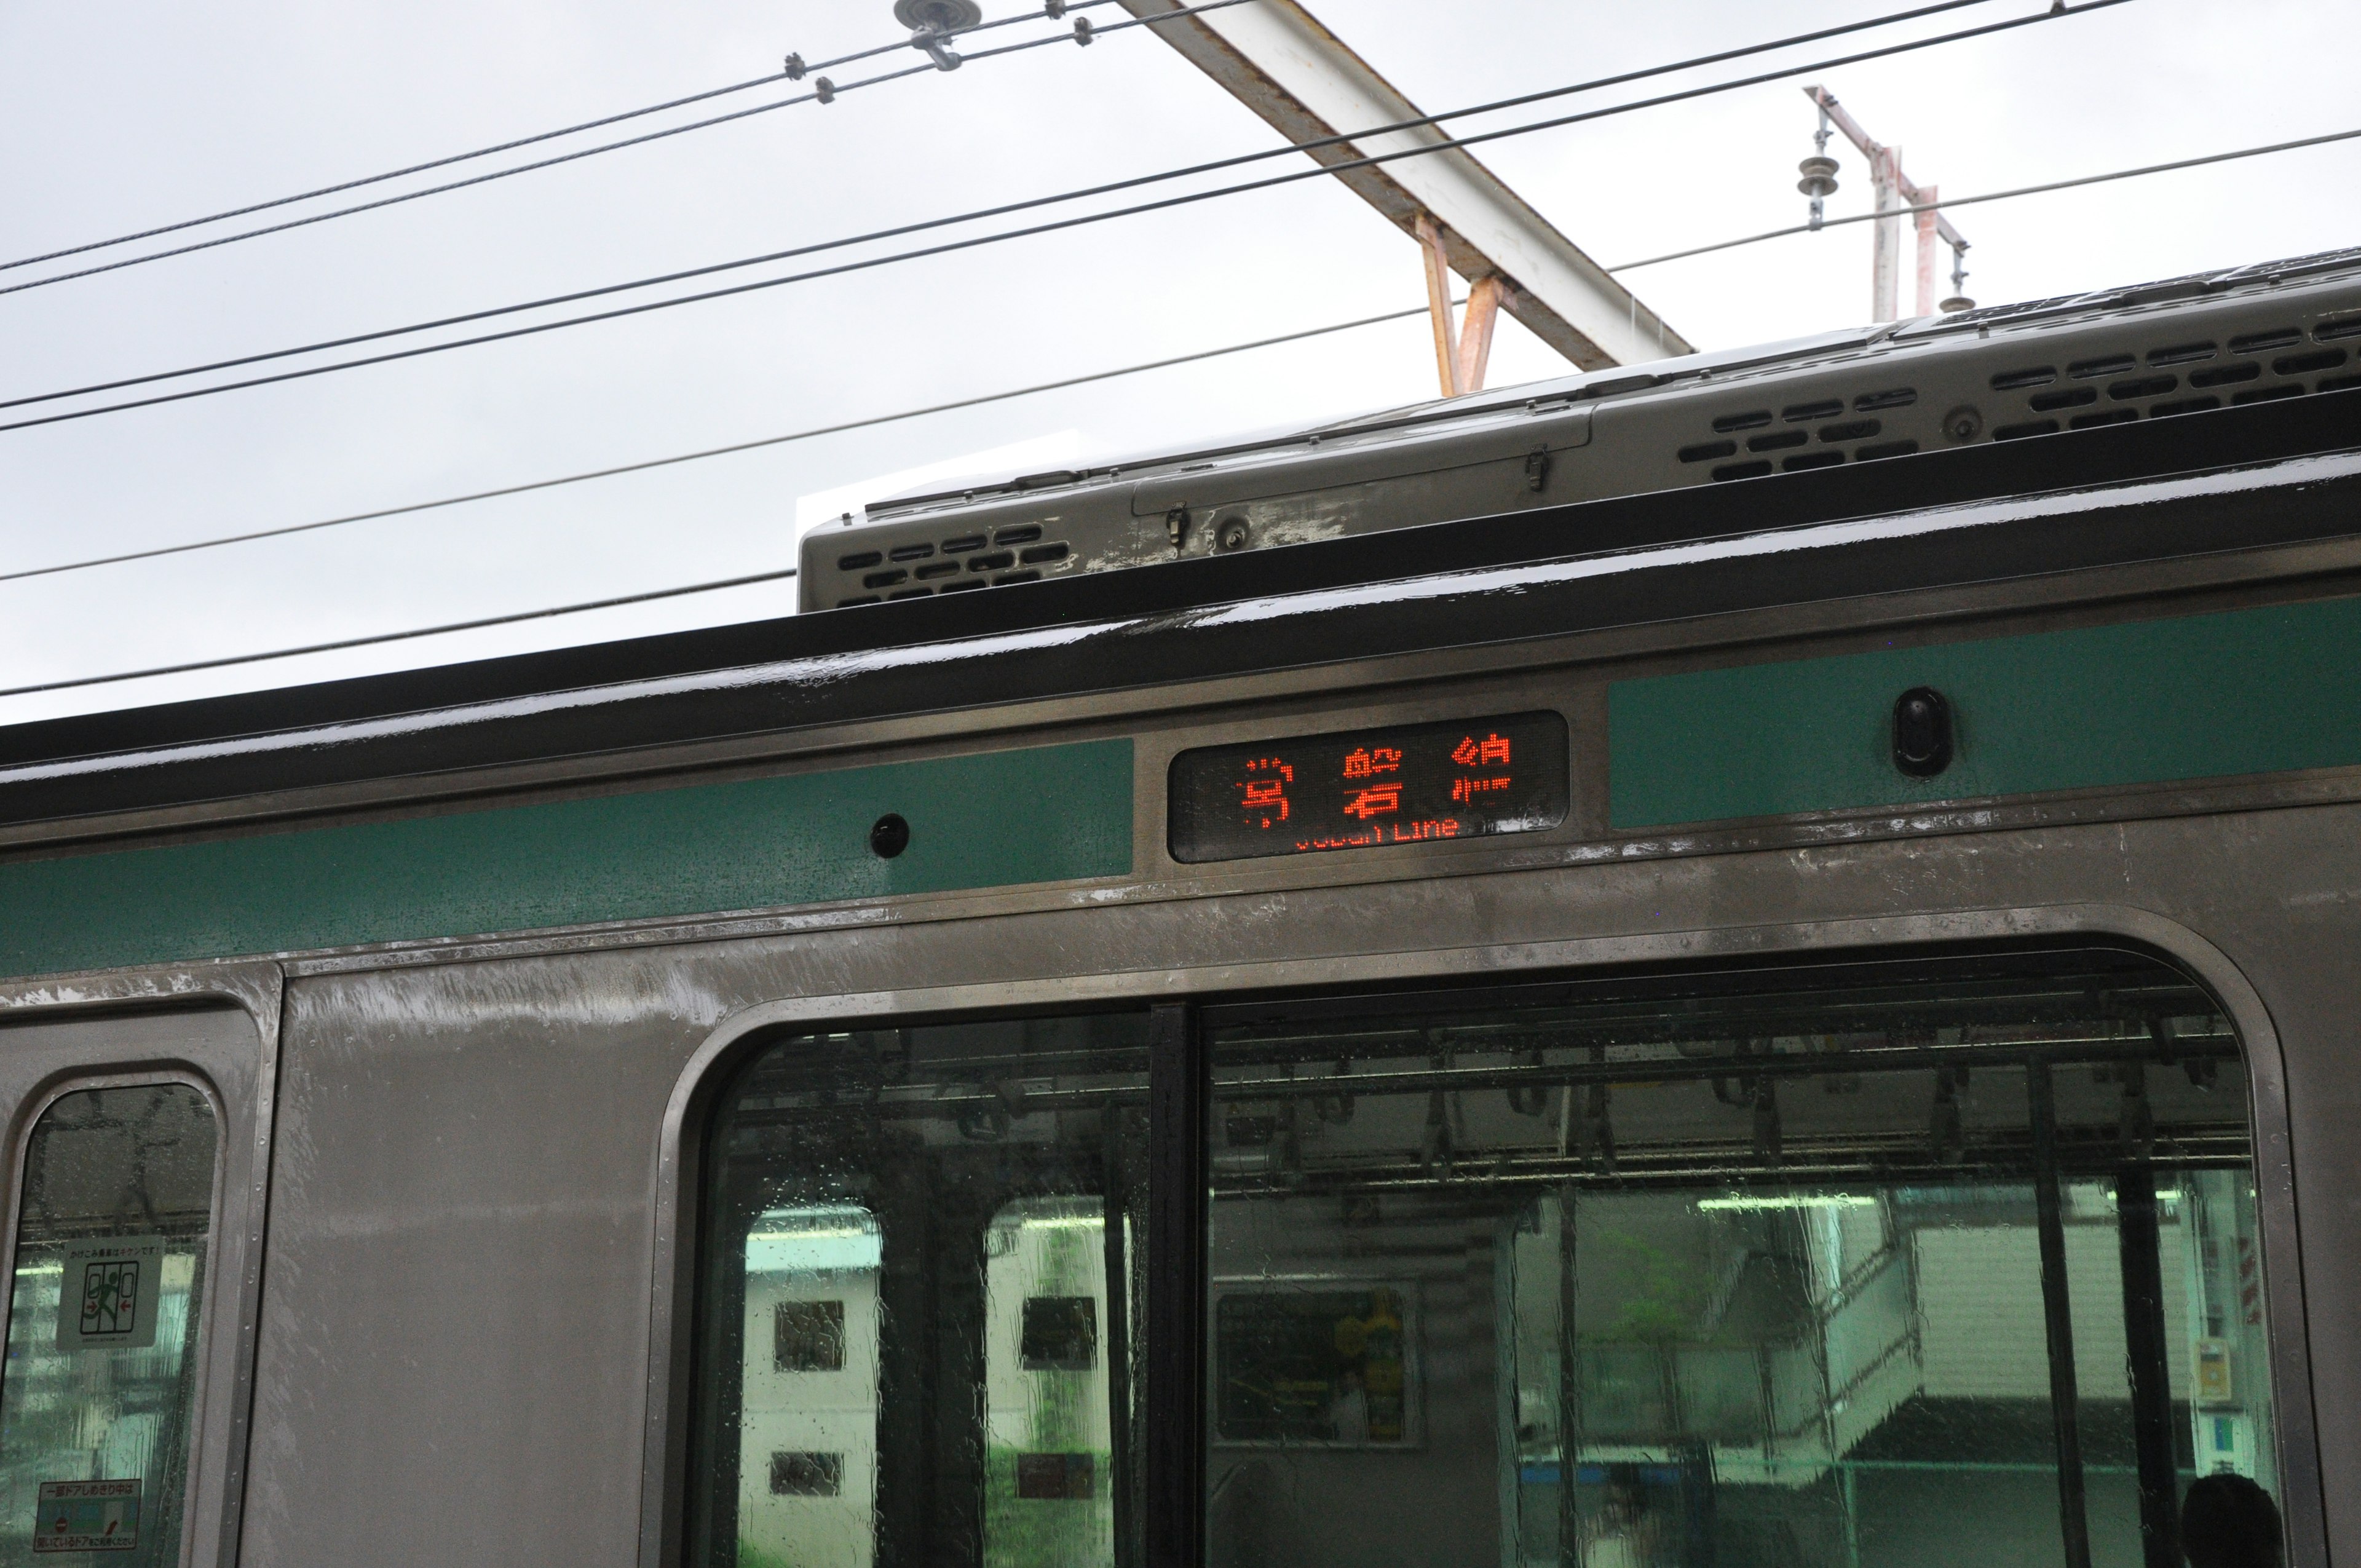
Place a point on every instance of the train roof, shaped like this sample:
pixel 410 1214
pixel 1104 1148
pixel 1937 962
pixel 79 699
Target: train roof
pixel 2020 327
pixel 2236 477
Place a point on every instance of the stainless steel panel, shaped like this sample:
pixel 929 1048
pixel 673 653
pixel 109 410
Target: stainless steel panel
pixel 454 1316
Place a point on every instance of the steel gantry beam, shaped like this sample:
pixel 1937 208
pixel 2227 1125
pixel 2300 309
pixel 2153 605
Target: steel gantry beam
pixel 1277 58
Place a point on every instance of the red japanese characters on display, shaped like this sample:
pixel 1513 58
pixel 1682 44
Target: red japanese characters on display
pixel 1360 790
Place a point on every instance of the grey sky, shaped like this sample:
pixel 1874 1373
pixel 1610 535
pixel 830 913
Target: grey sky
pixel 117 117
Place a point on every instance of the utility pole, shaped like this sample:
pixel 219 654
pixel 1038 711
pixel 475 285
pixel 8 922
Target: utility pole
pixel 1891 190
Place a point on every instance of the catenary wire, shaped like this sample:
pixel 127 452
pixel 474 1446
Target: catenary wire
pixel 1155 364
pixel 1440 145
pixel 681 592
pixel 512 618
pixel 966 402
pixel 520 141
pixel 825 93
pixel 761 80
pixel 1107 189
pixel 938 408
pixel 1129 369
pixel 1160 16
pixel 1949 202
pixel 712 451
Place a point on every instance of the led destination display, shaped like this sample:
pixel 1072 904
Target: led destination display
pixel 1369 788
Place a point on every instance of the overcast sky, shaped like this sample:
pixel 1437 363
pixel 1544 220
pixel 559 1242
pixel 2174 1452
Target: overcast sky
pixel 118 116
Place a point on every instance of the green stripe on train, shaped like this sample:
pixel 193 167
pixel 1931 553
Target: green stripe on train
pixel 995 819
pixel 2251 691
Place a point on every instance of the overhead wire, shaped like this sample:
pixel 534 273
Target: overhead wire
pixel 737 446
pixel 1315 145
pixel 514 618
pixel 1320 171
pixel 511 146
pixel 1949 202
pixel 823 92
pixel 980 399
pixel 722 584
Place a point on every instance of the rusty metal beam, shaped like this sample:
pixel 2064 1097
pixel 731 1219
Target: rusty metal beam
pixel 1475 333
pixel 1278 60
pixel 1438 304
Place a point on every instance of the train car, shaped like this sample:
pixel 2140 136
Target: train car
pixel 1744 962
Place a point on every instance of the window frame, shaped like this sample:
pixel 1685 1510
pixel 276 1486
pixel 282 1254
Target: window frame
pixel 1179 1288
pixel 201 1403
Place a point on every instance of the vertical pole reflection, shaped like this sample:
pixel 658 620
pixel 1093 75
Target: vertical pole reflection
pixel 2145 1351
pixel 2056 1312
pixel 1569 1389
pixel 1177 1205
pixel 1117 1356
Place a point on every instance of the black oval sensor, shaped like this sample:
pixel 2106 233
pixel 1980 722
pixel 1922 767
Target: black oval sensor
pixel 889 836
pixel 1922 732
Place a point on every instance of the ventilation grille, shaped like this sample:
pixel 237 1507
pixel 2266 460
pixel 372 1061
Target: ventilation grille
pixel 2116 388
pixel 2178 378
pixel 922 569
pixel 1816 435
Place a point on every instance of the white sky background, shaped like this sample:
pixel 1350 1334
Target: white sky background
pixel 117 117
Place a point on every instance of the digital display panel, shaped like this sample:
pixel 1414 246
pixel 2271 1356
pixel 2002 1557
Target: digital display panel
pixel 1404 784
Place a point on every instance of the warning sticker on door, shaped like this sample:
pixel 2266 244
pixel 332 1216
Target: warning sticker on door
pixel 108 1291
pixel 88 1515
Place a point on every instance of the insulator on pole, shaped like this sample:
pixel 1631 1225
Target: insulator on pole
pixel 938 15
pixel 1820 176
pixel 1959 301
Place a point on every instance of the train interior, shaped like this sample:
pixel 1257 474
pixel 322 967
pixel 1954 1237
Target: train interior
pixel 1864 1264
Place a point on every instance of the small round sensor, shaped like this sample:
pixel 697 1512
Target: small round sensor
pixel 889 836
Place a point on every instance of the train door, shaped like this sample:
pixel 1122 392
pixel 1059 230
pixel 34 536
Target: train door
pixel 1906 1263
pixel 131 1190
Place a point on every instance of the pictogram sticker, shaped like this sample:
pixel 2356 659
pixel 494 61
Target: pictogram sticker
pixel 88 1515
pixel 107 1293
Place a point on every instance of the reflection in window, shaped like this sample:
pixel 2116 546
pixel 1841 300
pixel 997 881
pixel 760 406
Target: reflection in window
pixel 1785 1268
pixel 808 1419
pixel 908 1352
pixel 102 1323
pixel 1047 1421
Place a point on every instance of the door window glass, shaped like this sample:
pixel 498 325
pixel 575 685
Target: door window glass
pixel 1867 1266
pixel 921 1278
pixel 104 1313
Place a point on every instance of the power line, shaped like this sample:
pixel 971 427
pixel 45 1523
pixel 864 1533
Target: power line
pixel 1086 379
pixel 1005 209
pixel 825 92
pixel 511 619
pixel 1949 202
pixel 710 451
pixel 684 591
pixel 1150 365
pixel 449 185
pixel 942 408
pixel 795 72
pixel 1440 145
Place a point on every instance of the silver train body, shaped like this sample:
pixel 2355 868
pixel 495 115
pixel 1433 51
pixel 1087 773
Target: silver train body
pixel 1798 1020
